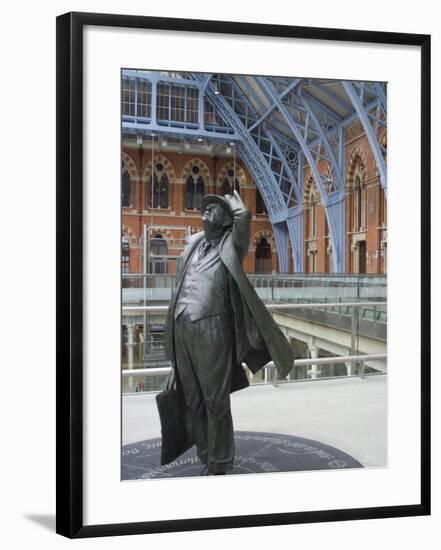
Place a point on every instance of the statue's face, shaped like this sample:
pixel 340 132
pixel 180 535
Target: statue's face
pixel 215 218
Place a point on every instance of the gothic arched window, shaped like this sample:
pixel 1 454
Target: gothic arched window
pixel 158 186
pixel 226 187
pixel 230 183
pixel 263 256
pixel 328 249
pixel 311 211
pixel 153 191
pixel 126 189
pixel 312 226
pixel 200 192
pixel 358 213
pixel 163 191
pixel 194 192
pixel 189 192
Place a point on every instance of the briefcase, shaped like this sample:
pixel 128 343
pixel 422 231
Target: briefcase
pixel 175 427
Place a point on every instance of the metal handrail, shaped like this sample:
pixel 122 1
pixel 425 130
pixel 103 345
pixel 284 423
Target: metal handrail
pixel 274 306
pixel 298 363
pixel 285 276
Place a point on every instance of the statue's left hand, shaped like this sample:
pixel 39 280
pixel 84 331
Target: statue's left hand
pixel 235 202
pixel 241 224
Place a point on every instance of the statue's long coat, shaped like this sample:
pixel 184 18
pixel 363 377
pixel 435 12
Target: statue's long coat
pixel 257 338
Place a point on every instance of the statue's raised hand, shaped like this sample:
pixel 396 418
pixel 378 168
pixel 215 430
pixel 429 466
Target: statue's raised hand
pixel 235 202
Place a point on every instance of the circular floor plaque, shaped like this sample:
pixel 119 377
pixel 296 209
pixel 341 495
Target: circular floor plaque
pixel 256 452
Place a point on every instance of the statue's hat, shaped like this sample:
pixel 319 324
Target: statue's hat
pixel 209 199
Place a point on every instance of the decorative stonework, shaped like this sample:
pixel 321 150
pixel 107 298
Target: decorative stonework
pixel 312 246
pixel 203 171
pixel 329 183
pixel 268 235
pixel 356 239
pixel 356 164
pixel 129 164
pixel 131 236
pixel 382 140
pixel 167 168
pixel 310 189
pixel 165 233
pixel 240 174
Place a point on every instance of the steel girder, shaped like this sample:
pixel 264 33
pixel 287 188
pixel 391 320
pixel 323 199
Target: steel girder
pixel 371 117
pixel 146 125
pixel 292 159
pixel 262 157
pixel 285 173
pixel 313 129
pixel 283 158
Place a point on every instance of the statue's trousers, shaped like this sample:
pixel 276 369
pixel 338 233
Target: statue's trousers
pixel 204 349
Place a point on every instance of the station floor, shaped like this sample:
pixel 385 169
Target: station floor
pixel 347 413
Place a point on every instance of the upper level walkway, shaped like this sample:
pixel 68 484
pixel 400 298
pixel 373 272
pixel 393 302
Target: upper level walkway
pixel 145 289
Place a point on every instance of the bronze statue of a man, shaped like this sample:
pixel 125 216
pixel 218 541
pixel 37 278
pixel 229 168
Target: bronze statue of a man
pixel 215 323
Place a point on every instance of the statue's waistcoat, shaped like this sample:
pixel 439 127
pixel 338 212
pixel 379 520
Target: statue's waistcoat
pixel 204 290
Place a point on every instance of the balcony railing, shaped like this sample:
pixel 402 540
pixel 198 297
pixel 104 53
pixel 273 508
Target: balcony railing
pixel 357 320
pixel 160 374
pixel 294 288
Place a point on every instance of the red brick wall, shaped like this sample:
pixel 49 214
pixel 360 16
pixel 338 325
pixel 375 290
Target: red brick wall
pixel 356 146
pixel 133 219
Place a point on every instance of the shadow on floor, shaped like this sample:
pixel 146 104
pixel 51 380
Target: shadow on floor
pixel 45 520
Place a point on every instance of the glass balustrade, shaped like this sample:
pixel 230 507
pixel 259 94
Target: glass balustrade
pixel 301 288
pixel 327 318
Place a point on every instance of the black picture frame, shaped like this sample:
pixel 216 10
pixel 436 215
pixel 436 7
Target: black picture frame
pixel 69 291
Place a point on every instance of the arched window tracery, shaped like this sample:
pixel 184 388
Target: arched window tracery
pixel 194 189
pixel 226 187
pixel 126 189
pixel 311 225
pixel 158 186
pixel 357 213
pixel 189 192
pixel 230 183
pixel 196 176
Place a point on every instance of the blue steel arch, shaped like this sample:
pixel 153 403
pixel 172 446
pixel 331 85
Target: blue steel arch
pixel 315 148
pixel 288 150
pixel 371 117
pixel 283 158
pixel 261 163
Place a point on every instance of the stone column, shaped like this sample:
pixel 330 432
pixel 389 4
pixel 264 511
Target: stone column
pixel 130 351
pixel 314 371
pixel 350 368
